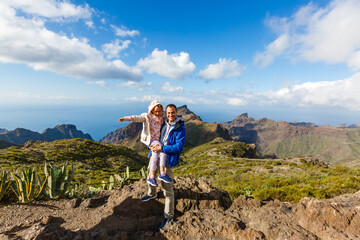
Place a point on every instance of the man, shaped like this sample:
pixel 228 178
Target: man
pixel 173 140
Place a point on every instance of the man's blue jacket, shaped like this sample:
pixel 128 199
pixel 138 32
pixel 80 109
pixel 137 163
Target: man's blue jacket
pixel 175 143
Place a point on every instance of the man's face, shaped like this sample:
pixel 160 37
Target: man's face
pixel 171 114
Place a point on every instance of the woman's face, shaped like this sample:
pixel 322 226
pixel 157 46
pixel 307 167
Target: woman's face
pixel 157 111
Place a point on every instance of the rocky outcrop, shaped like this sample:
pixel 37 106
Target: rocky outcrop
pixel 64 131
pixel 21 136
pixel 3 130
pixel 132 130
pixel 202 212
pixel 187 114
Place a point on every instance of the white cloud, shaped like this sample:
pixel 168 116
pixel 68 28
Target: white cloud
pixel 90 24
pixel 236 101
pixel 330 34
pixel 274 49
pixel 341 93
pixel 31 97
pixel 100 83
pixel 61 98
pixel 140 86
pixel 26 95
pixel 168 88
pixel 26 40
pixel 124 32
pixel 147 98
pixel 162 99
pixel 328 94
pixel 225 68
pixel 174 66
pixel 50 8
pixel 114 48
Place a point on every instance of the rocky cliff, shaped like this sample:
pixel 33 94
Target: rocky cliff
pixel 64 131
pixel 202 212
pixel 21 136
pixel 282 139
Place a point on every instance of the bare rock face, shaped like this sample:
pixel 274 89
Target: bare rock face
pixel 248 218
pixel 31 143
pixel 202 212
pixel 336 218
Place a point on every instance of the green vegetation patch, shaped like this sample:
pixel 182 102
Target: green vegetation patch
pixel 280 179
pixel 93 160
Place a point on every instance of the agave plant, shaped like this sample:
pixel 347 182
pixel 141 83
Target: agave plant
pixel 124 179
pixel 4 184
pixel 143 173
pixel 58 180
pixel 104 185
pixel 27 187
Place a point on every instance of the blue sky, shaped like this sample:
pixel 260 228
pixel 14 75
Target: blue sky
pixel 284 60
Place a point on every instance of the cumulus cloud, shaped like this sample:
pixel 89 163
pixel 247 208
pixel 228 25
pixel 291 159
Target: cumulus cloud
pixel 100 83
pixel 327 94
pixel 225 68
pixel 90 24
pixel 329 34
pixel 174 66
pixel 140 86
pixel 50 9
pixel 26 40
pixel 124 32
pixel 341 93
pixel 235 101
pixel 168 88
pixel 114 48
pixel 164 98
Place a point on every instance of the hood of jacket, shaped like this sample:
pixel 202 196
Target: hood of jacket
pixel 152 105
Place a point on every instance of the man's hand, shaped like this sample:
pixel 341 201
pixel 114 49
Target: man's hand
pixel 155 148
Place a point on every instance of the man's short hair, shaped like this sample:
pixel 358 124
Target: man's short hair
pixel 172 106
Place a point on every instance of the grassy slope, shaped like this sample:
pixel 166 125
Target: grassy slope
pixel 286 179
pixel 93 161
pixel 341 149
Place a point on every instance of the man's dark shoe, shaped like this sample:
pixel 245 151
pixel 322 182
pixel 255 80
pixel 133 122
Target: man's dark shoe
pixel 147 198
pixel 165 221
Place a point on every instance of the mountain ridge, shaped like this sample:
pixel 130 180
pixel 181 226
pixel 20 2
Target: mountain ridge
pixel 64 131
pixel 3 130
pixel 282 139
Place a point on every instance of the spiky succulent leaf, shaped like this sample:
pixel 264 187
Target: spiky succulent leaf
pixel 4 184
